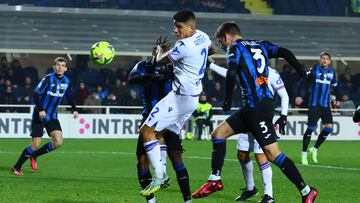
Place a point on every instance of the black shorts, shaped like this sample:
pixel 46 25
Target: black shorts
pixel 257 120
pixel 37 127
pixel 319 112
pixel 172 141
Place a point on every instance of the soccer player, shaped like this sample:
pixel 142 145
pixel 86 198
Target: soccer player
pixel 47 97
pixel 249 60
pixel 322 78
pixel 189 59
pixel 356 116
pixel 155 84
pixel 243 145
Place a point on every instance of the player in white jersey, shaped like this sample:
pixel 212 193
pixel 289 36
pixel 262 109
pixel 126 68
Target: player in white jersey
pixel 243 145
pixel 188 57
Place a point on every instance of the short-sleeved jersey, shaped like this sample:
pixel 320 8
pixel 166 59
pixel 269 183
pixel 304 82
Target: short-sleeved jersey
pixel 322 79
pixel 189 58
pixel 51 90
pixel 152 93
pixel 253 58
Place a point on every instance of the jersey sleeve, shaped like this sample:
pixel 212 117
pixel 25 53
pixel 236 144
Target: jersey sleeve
pixel 233 54
pixel 270 48
pixel 333 80
pixel 178 52
pixel 275 79
pixel 43 84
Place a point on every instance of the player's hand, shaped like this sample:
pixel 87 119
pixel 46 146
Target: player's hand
pixel 42 114
pixel 282 123
pixel 75 114
pixel 226 105
pixel 298 101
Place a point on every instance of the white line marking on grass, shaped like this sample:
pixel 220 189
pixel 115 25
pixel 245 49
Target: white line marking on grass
pixel 189 157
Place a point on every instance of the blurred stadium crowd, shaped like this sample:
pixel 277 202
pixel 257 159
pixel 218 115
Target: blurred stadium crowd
pixel 108 87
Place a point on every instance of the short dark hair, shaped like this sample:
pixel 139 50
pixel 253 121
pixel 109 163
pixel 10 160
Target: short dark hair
pixel 229 27
pixel 325 53
pixel 184 16
pixel 60 59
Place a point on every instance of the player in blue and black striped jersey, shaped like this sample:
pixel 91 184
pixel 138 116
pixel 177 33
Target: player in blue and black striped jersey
pixel 321 78
pixel 248 60
pixel 155 83
pixel 47 97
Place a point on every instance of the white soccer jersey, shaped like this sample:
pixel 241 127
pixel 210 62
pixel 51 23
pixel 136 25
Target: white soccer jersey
pixel 189 58
pixel 275 81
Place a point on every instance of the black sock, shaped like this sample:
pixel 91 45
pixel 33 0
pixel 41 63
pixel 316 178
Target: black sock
pixel 218 155
pixel 322 137
pixel 144 177
pixel 28 151
pixel 48 147
pixel 289 169
pixel 307 137
pixel 182 177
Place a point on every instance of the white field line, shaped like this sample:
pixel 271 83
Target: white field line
pixel 188 157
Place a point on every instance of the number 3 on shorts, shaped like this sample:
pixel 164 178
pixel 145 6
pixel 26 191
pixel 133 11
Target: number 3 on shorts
pixel 262 125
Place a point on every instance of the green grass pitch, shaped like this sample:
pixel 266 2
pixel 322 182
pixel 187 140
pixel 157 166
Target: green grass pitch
pixel 105 171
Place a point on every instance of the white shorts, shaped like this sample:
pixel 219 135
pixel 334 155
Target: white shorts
pixel 243 143
pixel 171 112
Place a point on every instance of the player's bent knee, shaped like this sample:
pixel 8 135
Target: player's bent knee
pixel 260 158
pixel 272 151
pixel 147 133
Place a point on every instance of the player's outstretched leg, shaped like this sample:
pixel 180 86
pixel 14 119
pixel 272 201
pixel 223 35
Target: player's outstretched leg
pixel 288 167
pixel 266 174
pixel 306 141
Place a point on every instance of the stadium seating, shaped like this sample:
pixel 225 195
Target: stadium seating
pixel 132 32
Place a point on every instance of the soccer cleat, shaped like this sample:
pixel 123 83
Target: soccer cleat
pixel 267 199
pixel 155 185
pixel 17 172
pixel 247 194
pixel 310 198
pixel 166 183
pixel 33 164
pixel 208 188
pixel 313 153
pixel 304 161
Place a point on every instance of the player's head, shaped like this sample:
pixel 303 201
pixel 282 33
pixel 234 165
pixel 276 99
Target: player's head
pixel 227 33
pixel 325 59
pixel 184 24
pixel 59 66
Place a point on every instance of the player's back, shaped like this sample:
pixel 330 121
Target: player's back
pixel 253 58
pixel 189 57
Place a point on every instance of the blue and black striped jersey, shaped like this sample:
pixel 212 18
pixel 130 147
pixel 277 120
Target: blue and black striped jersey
pixel 153 91
pixel 50 92
pixel 252 58
pixel 322 78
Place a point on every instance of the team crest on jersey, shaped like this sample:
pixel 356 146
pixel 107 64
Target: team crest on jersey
pixel 261 80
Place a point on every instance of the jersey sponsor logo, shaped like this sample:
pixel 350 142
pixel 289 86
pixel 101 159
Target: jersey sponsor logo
pixel 323 81
pixel 55 94
pixel 261 80
pixel 63 86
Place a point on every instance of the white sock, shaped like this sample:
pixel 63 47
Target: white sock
pixel 303 154
pixel 214 177
pixel 152 149
pixel 163 153
pixel 305 191
pixel 266 173
pixel 247 170
pixel 314 149
pixel 188 201
pixel 152 200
